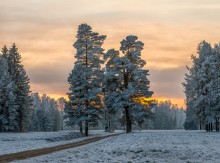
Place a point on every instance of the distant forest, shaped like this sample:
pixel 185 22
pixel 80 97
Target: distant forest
pixel 107 90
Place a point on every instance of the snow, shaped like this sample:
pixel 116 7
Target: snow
pixel 17 142
pixel 144 146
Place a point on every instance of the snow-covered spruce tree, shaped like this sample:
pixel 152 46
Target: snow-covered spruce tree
pixel 5 52
pixel 86 78
pixel 167 116
pixel 3 84
pixel 126 80
pixel 36 116
pixel 190 92
pixel 111 84
pixel 198 86
pixel 22 92
pixel 56 115
pixel 214 86
pixel 75 115
pixel 8 107
pixel 61 105
pixel 46 116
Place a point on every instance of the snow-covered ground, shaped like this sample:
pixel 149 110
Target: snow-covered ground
pixel 177 146
pixel 17 142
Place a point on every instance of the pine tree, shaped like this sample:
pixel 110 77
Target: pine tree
pixel 11 108
pixel 126 80
pixel 46 116
pixel 214 87
pixel 198 86
pixel 168 116
pixel 61 106
pixel 76 114
pixel 5 52
pixel 36 116
pixel 111 83
pixel 22 92
pixel 3 84
pixel 86 77
pixel 8 107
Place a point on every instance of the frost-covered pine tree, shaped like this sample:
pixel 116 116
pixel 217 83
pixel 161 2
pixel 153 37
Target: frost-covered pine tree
pixel 126 80
pixel 214 86
pixel 111 84
pixel 5 52
pixel 198 86
pixel 22 91
pixel 3 84
pixel 168 116
pixel 75 115
pixel 86 78
pixel 46 116
pixel 37 114
pixel 61 105
pixel 8 107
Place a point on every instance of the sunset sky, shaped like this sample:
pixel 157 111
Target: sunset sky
pixel 44 31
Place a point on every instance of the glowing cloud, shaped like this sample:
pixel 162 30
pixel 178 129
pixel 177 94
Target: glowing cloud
pixel 45 31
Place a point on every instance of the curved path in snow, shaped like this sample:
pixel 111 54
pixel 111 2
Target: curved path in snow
pixel 38 152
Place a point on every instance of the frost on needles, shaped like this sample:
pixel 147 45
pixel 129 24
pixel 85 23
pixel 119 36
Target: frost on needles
pixel 15 99
pixel 114 88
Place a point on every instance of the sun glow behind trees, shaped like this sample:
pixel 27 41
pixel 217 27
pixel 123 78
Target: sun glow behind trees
pixel 170 30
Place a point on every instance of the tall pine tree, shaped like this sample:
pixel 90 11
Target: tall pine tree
pixel 126 80
pixel 22 91
pixel 8 106
pixel 202 97
pixel 86 78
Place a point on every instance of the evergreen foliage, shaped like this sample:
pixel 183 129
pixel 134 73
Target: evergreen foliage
pixel 167 116
pixel 126 80
pixel 46 116
pixel 86 79
pixel 202 87
pixel 16 92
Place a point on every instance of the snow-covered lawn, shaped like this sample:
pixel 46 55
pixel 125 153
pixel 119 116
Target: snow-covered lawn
pixel 145 146
pixel 17 142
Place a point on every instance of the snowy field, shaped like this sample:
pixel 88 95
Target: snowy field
pixel 17 142
pixel 146 146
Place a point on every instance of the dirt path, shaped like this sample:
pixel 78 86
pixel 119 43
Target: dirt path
pixel 37 152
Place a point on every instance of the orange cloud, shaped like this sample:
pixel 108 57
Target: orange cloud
pixel 45 31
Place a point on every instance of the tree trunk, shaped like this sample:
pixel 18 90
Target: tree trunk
pixel 200 125
pixel 128 120
pixel 86 128
pixel 81 127
pixel 106 122
pixel 109 124
pixel 209 126
pixel 217 124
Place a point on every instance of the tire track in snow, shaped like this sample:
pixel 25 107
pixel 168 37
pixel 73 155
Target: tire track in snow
pixel 37 152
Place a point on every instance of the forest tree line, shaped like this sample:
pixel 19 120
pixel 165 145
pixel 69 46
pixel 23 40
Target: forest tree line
pixel 109 83
pixel 165 116
pixel 15 99
pixel 21 111
pixel 108 90
pixel 47 114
